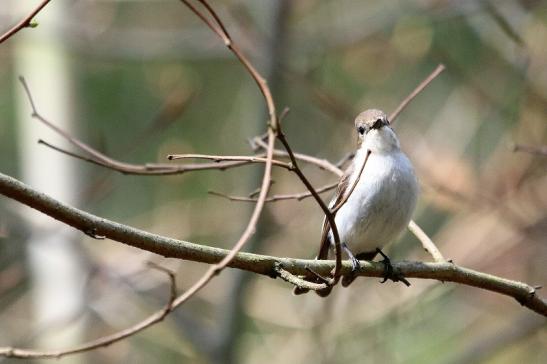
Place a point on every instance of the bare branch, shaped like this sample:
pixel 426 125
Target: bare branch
pixel 105 340
pixel 416 91
pixel 151 169
pixel 321 163
pixel 26 22
pixel 335 209
pixel 100 159
pixel 427 243
pixel 541 150
pixel 328 214
pixel 299 282
pixel 233 158
pixel 260 264
pixel 293 196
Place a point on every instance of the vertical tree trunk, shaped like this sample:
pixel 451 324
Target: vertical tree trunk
pixel 54 259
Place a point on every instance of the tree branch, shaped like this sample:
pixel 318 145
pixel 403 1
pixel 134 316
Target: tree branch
pixel 290 196
pixel 260 264
pixel 541 150
pixel 427 243
pixel 416 91
pixel 23 23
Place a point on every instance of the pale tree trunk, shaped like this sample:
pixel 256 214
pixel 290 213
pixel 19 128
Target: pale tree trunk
pixel 54 259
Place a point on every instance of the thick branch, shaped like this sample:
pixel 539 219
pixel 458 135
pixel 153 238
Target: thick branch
pixel 260 264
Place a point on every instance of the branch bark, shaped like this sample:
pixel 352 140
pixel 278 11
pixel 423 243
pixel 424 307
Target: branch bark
pixel 23 23
pixel 261 264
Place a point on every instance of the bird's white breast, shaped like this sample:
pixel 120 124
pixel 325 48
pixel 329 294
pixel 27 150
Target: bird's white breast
pixel 381 205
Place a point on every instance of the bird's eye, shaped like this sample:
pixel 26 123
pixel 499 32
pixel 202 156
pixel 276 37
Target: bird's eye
pixel 361 130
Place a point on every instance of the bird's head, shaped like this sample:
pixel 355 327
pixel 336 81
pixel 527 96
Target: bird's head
pixel 374 132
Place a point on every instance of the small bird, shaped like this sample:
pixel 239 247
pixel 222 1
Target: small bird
pixel 380 205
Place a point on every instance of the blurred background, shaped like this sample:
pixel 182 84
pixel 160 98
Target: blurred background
pixel 142 79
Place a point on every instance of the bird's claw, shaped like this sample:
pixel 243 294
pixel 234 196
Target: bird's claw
pixel 389 272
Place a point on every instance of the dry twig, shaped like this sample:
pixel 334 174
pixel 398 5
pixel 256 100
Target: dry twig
pixel 291 196
pixel 26 22
pixel 541 150
pixel 427 243
pixel 416 91
pixel 100 159
pixel 105 340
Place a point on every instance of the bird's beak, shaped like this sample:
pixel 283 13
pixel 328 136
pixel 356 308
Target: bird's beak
pixel 380 123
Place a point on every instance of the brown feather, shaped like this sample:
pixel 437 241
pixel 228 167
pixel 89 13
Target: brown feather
pixel 341 190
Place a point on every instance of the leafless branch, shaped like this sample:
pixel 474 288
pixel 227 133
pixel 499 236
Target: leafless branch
pixel 416 91
pixel 427 243
pixel 104 341
pixel 328 214
pixel 98 158
pixel 323 164
pixel 335 209
pixel 233 158
pixel 541 150
pixel 292 196
pixel 26 22
pixel 260 264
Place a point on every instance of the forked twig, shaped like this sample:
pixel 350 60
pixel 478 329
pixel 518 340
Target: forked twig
pixel 148 169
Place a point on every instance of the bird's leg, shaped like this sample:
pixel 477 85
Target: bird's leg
pixel 389 274
pixel 355 266
pixel 354 261
pixel 348 279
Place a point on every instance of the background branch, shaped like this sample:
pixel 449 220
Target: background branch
pixel 541 150
pixel 23 23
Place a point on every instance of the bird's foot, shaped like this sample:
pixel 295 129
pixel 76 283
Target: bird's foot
pixel 389 272
pixel 355 267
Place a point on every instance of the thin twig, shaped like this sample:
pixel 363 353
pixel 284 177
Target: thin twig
pixel 232 158
pixel 416 91
pixel 23 23
pixel 151 169
pixel 292 196
pixel 173 285
pixel 300 282
pixel 321 163
pixel 100 159
pixel 328 214
pixel 104 341
pixel 260 264
pixel 427 243
pixel 541 150
pixel 335 209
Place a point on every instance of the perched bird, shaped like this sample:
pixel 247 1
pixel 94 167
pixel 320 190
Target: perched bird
pixel 380 205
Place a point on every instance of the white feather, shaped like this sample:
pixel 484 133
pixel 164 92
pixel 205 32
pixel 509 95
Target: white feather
pixel 381 205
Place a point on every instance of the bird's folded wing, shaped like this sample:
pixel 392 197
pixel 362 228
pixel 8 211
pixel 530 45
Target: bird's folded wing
pixel 341 190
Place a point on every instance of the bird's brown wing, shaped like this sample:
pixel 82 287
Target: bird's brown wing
pixel 341 190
